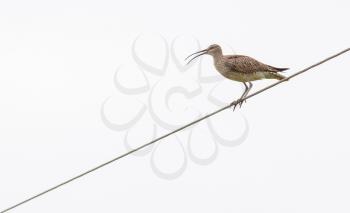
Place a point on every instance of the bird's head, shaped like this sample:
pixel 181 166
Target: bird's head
pixel 212 50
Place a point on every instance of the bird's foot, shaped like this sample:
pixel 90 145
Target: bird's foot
pixel 241 103
pixel 236 103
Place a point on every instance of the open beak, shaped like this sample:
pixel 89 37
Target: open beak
pixel 202 52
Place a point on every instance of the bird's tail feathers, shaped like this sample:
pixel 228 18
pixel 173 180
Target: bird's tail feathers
pixel 278 69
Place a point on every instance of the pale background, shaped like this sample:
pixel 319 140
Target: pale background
pixel 57 61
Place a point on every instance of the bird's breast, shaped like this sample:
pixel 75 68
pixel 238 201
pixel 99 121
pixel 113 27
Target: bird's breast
pixel 228 73
pixel 220 66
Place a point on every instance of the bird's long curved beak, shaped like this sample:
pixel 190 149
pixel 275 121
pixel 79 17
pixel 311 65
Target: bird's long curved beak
pixel 202 52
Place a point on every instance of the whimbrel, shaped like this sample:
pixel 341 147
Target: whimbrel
pixel 239 68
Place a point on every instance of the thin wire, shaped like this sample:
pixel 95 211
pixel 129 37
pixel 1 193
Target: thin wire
pixel 172 132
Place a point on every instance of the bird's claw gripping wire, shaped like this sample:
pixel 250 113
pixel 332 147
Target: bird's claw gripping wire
pixel 236 103
pixel 241 103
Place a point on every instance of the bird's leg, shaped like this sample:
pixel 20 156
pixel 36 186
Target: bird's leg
pixel 239 101
pixel 246 93
pixel 243 95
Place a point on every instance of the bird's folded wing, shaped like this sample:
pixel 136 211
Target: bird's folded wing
pixel 245 64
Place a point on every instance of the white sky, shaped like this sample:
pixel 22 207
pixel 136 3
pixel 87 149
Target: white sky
pixel 57 61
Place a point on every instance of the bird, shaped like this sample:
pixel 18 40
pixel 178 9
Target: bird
pixel 239 68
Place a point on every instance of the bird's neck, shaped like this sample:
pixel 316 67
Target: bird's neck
pixel 217 57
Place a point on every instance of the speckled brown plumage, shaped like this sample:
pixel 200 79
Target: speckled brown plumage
pixel 246 64
pixel 245 69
